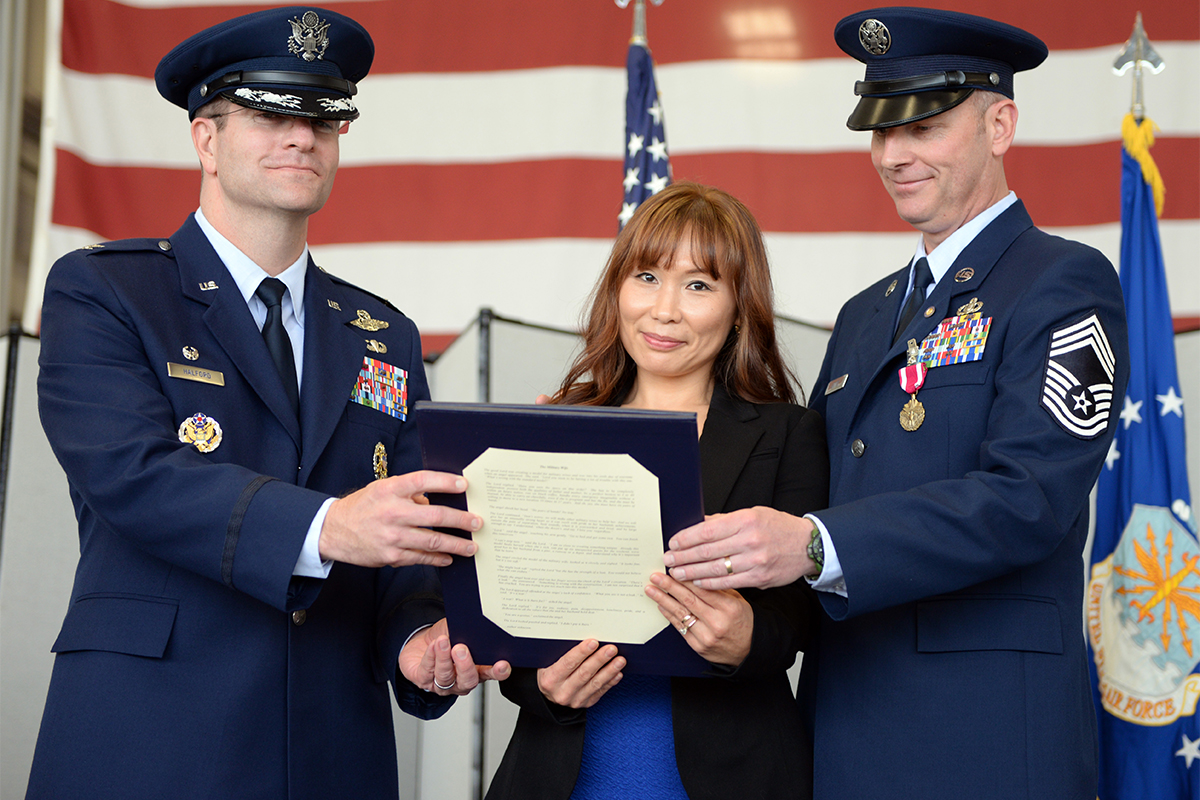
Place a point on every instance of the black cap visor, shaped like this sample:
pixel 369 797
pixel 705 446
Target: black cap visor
pixel 888 112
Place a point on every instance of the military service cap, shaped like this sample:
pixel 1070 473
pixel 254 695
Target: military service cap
pixel 923 61
pixel 299 60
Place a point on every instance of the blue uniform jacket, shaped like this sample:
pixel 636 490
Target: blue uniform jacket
pixel 957 667
pixel 191 663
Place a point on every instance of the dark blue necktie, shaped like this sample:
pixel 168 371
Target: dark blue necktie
pixel 270 291
pixel 921 281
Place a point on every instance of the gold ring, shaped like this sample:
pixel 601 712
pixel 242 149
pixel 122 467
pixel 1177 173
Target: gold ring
pixel 728 567
pixel 689 620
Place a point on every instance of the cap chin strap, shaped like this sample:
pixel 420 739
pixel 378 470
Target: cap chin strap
pixel 306 79
pixel 952 79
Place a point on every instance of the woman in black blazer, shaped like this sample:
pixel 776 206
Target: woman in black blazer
pixel 682 319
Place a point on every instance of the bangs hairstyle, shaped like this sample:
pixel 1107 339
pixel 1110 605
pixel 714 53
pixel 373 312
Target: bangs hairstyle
pixel 726 243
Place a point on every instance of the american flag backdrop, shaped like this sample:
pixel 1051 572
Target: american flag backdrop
pixel 487 168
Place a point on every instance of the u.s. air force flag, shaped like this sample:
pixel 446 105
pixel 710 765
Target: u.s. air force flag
pixel 647 166
pixel 1143 602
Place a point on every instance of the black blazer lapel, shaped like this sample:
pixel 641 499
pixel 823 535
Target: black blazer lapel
pixel 731 431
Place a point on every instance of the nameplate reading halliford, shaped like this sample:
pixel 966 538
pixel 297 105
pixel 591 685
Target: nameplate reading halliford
pixel 189 373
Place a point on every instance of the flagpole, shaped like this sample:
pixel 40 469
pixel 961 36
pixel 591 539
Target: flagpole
pixel 1138 53
pixel 639 19
pixel 1137 129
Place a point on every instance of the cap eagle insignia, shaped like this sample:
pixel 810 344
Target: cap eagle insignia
pixel 310 36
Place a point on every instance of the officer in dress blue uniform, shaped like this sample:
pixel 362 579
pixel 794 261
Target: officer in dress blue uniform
pixel 968 405
pixel 233 627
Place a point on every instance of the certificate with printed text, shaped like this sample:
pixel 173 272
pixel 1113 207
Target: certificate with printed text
pixel 577 503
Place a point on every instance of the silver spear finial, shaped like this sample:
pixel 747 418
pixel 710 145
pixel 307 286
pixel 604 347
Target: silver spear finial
pixel 1138 53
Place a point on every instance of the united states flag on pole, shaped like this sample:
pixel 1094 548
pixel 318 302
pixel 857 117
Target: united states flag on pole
pixel 1144 595
pixel 647 166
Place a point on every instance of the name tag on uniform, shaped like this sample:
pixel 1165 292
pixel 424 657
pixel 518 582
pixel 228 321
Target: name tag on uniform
pixel 196 374
pixel 836 384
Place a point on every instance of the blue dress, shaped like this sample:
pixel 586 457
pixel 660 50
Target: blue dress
pixel 629 744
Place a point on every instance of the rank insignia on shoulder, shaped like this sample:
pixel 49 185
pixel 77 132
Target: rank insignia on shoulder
pixel 379 461
pixel 1077 390
pixel 365 322
pixel 202 431
pixel 376 346
pixel 383 387
pixel 99 246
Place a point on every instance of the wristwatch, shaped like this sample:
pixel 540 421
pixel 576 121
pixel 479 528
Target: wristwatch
pixel 816 552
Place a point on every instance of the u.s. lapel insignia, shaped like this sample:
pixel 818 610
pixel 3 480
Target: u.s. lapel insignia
pixel 963 275
pixel 376 346
pixel 208 286
pixel 972 307
pixel 202 431
pixel 191 353
pixel 379 461
pixel 365 322
pixel 891 288
pixel 333 304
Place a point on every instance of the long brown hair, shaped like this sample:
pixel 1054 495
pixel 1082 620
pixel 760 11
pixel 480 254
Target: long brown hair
pixel 725 242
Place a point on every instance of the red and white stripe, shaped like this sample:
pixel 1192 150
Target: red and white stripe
pixel 486 168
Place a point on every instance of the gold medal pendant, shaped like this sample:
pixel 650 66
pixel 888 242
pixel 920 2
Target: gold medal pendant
pixel 912 415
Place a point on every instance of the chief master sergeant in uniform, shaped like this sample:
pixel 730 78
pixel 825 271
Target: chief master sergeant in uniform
pixel 233 627
pixel 966 427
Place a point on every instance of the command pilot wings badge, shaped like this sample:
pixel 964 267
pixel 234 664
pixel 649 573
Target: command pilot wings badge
pixel 1077 389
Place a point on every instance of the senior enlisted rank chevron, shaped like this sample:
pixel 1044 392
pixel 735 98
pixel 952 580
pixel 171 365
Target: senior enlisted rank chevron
pixel 233 627
pixel 950 662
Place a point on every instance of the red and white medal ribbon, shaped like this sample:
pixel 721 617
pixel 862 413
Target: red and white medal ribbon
pixel 912 377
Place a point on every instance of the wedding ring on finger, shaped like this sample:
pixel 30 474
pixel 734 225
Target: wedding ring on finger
pixel 444 688
pixel 689 621
pixel 728 567
pixel 683 629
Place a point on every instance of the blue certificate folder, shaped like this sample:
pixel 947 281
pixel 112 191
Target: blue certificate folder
pixel 664 442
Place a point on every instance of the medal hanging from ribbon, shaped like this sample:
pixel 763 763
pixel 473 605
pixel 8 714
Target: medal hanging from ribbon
pixel 912 378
